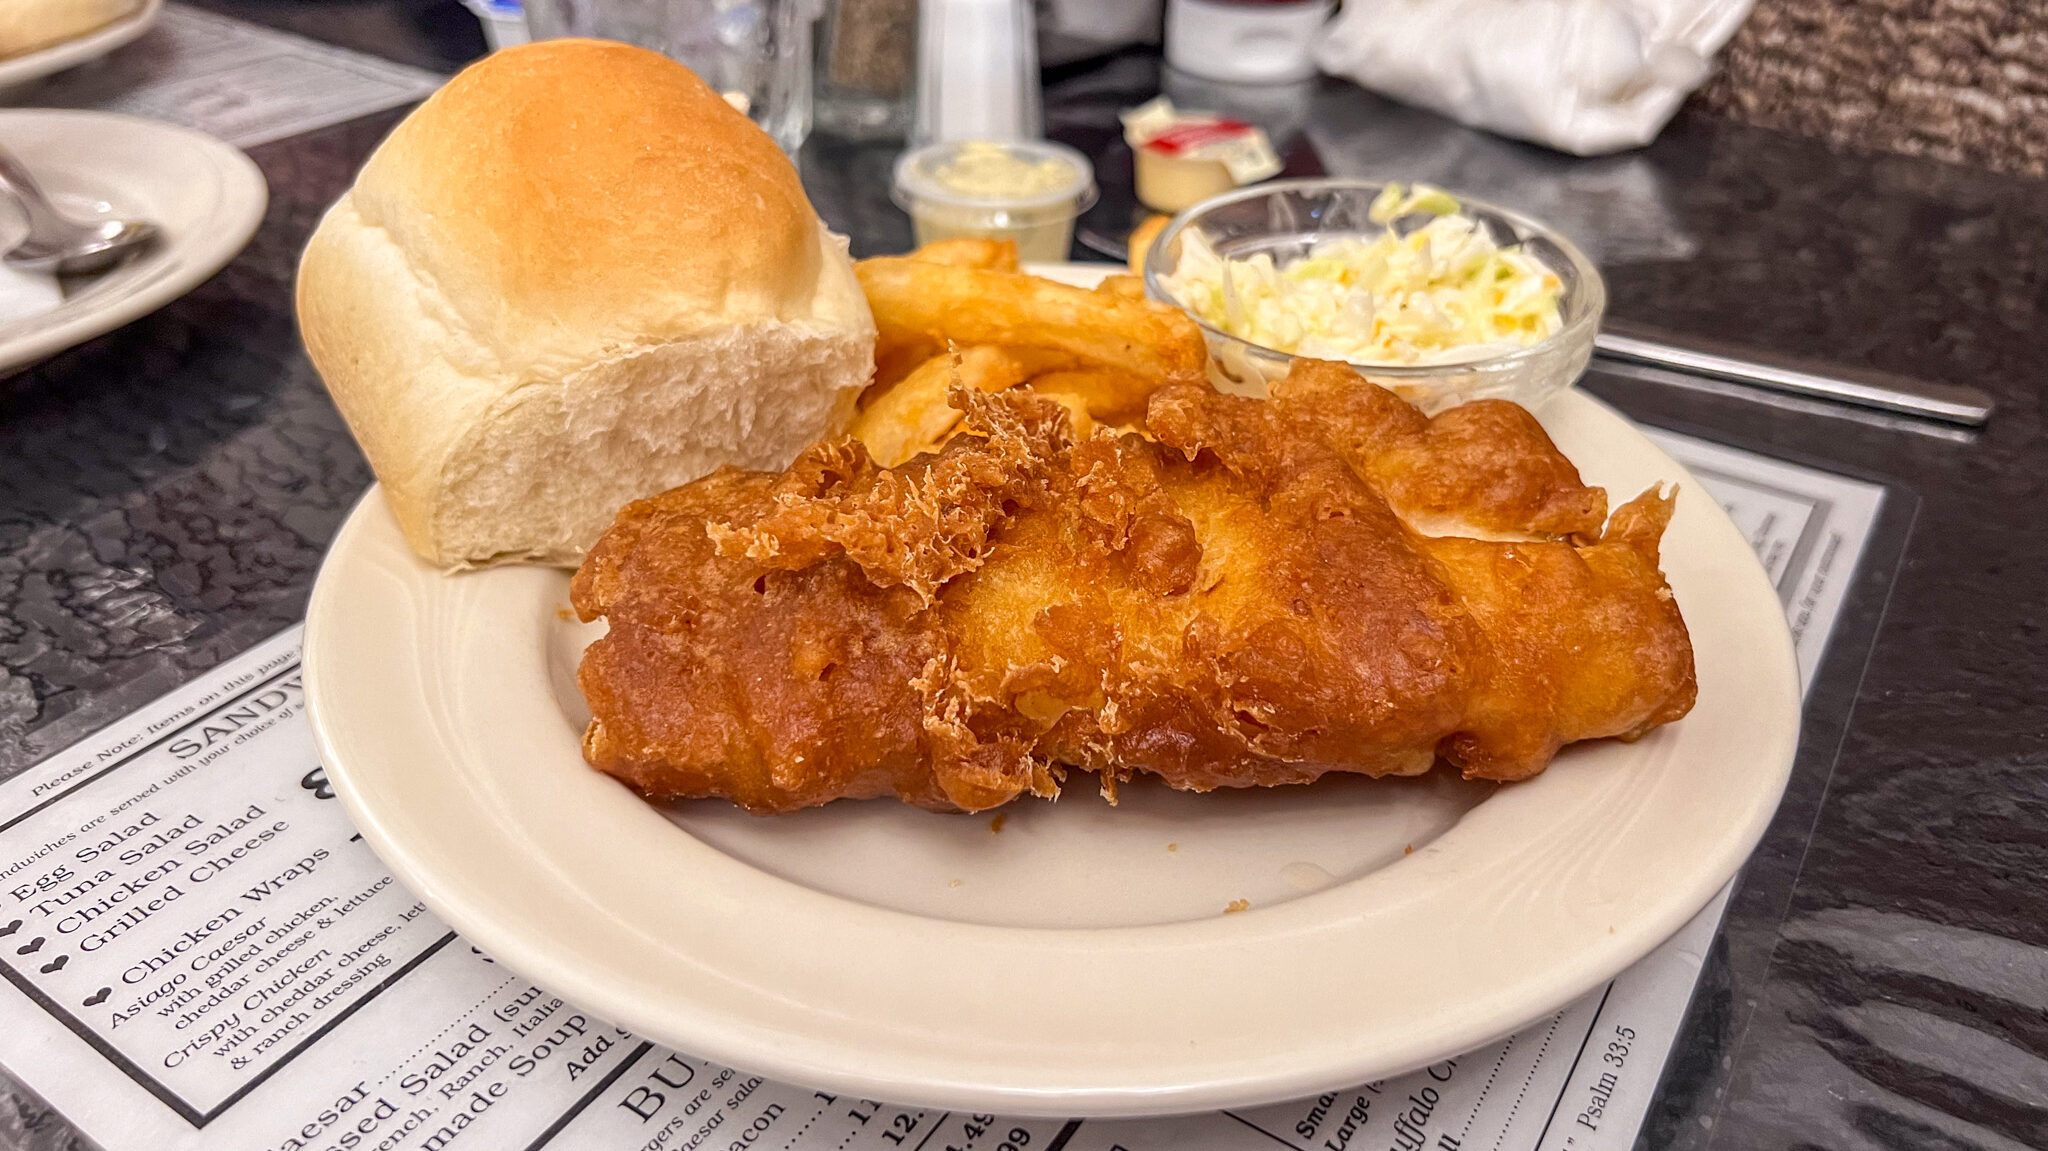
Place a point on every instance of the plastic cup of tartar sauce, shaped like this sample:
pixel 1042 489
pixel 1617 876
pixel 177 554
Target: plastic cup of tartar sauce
pixel 1029 191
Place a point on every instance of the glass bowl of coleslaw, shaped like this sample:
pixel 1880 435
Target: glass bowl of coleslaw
pixel 1438 298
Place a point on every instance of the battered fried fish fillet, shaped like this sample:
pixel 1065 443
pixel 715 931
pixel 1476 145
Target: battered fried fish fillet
pixel 1256 595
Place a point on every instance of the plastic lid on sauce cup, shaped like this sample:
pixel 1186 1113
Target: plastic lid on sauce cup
pixel 967 175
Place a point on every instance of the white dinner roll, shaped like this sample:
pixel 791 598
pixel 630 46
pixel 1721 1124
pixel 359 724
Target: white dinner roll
pixel 574 277
pixel 32 25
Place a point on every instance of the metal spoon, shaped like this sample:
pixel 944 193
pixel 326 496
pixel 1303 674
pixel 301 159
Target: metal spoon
pixel 56 242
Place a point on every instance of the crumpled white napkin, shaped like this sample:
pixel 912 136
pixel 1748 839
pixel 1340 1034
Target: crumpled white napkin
pixel 1583 76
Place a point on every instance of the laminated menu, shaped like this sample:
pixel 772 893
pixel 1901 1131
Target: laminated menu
pixel 200 952
pixel 237 81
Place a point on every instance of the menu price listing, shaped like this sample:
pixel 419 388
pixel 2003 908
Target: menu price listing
pixel 199 952
pixel 669 1102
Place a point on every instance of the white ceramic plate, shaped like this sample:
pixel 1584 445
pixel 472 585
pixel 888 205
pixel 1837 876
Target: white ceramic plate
pixel 91 46
pixel 206 196
pixel 1079 961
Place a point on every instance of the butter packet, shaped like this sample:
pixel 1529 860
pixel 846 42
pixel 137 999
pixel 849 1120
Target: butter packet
pixel 1193 154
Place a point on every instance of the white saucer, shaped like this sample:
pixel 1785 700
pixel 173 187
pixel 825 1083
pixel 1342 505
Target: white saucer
pixel 91 46
pixel 205 196
pixel 1071 959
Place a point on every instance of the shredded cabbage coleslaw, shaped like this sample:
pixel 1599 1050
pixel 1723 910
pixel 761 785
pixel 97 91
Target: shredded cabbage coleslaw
pixel 1444 293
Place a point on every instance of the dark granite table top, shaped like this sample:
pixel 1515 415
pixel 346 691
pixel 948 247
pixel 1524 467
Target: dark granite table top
pixel 166 493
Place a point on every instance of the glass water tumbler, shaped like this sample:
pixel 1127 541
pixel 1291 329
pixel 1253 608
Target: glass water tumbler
pixel 756 53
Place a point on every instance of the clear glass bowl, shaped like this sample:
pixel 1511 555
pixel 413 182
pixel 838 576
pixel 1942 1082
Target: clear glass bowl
pixel 1287 218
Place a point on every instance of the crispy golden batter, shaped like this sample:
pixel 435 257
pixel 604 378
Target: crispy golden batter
pixel 1243 600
